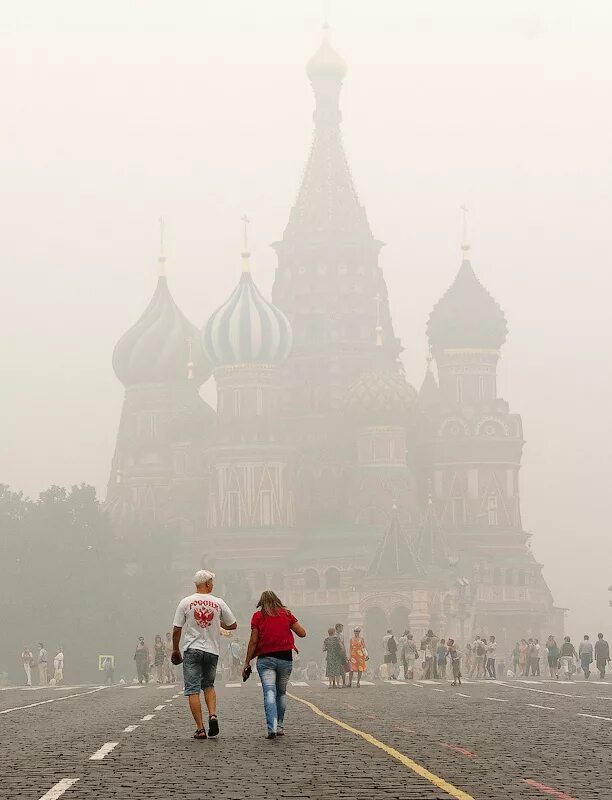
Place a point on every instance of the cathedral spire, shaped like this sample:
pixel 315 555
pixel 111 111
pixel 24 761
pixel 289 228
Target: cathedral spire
pixel 327 205
pixel 465 245
pixel 246 253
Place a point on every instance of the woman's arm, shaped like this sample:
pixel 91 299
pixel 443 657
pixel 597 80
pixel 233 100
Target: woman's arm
pixel 298 630
pixel 252 647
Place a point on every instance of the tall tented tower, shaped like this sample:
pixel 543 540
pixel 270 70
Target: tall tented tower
pixel 475 449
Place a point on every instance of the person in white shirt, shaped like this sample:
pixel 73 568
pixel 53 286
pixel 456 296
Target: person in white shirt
pixel 28 660
pixel 491 656
pixel 43 678
pixel 58 666
pixel 199 618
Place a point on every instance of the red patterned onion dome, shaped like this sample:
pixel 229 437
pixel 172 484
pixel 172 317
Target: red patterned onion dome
pixel 381 397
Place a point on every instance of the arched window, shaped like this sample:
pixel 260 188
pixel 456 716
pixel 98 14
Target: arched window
pixel 311 579
pixel 332 578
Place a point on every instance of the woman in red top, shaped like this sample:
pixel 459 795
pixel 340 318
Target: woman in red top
pixel 272 629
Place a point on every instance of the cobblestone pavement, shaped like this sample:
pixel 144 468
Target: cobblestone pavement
pixel 484 740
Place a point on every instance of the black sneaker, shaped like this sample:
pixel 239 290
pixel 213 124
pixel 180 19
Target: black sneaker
pixel 271 735
pixel 213 728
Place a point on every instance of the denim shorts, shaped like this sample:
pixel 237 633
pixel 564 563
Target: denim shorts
pixel 199 670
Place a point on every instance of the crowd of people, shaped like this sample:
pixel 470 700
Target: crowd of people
pixel 434 657
pixel 41 661
pixel 155 660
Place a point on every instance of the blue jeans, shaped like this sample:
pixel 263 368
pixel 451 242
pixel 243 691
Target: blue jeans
pixel 274 674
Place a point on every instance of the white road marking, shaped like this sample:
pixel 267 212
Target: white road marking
pixel 168 686
pixel 158 708
pixel 436 690
pixel 604 698
pixel 133 687
pixel 546 708
pixel 130 729
pixel 293 683
pixel 103 751
pixel 397 682
pixel 367 683
pixel 59 789
pixel 463 695
pixel 147 717
pixel 176 695
pixel 54 700
pixel 497 699
pixel 540 691
pixel 238 685
pixel 595 716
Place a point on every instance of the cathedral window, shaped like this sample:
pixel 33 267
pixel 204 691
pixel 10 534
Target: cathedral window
pixel 236 403
pixel 312 581
pixel 233 509
pixel 482 387
pixel 492 510
pixel 332 578
pixel 459 389
pixel 259 402
pixel 266 508
pixel 459 514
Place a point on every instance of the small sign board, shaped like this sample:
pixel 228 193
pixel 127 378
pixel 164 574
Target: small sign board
pixel 102 662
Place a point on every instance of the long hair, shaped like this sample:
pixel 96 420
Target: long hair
pixel 269 603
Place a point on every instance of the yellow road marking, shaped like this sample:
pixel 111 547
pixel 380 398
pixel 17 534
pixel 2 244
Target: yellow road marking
pixel 407 762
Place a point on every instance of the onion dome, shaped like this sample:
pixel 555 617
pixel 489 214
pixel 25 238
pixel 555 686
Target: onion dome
pixel 326 62
pixel 162 347
pixel 381 397
pixel 466 316
pixel 247 329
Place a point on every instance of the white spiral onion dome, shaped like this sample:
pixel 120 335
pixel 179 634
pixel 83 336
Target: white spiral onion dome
pixel 247 329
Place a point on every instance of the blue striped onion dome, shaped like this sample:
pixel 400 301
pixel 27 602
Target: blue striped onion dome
pixel 247 329
pixel 162 347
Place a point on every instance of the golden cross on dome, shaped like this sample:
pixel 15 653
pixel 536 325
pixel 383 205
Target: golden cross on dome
pixel 245 242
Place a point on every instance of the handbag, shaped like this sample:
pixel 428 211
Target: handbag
pixel 246 673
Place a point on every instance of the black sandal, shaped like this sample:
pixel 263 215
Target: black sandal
pixel 213 727
pixel 200 734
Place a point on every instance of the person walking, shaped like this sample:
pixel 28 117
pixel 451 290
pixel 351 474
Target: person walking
pixel 272 629
pixel 358 657
pixel 479 649
pixel 455 658
pixel 390 654
pixel 43 678
pixel 491 657
pixel 529 663
pixel 142 658
pixel 409 657
pixel 339 628
pixel 334 658
pixel 58 666
pixel 198 619
pixel 552 655
pixel 522 657
pixel 515 659
pixel 159 657
pixel 567 657
pixel 441 656
pixel 602 655
pixel 109 670
pixel 27 659
pixel 585 654
pixel 537 654
pixel 169 668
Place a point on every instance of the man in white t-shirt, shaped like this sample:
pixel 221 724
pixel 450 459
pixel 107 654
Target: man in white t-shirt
pixel 199 618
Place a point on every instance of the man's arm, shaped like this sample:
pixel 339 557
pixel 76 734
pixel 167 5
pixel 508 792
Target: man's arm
pixel 231 627
pixel 227 619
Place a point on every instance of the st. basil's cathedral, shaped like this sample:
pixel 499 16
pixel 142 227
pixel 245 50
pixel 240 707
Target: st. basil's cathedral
pixel 323 473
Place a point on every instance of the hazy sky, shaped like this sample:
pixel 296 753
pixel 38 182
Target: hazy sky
pixel 116 112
